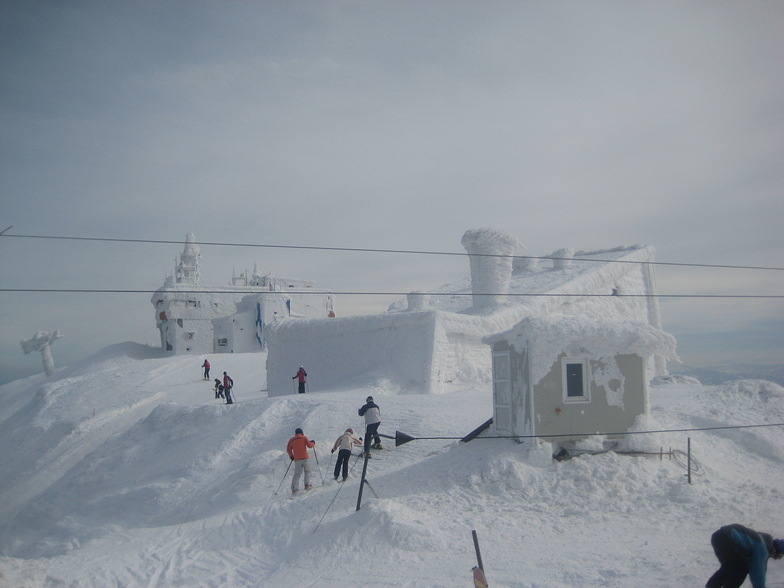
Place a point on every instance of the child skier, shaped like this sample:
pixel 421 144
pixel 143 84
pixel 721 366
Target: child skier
pixel 344 443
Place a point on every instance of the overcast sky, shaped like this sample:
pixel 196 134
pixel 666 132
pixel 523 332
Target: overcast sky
pixel 386 125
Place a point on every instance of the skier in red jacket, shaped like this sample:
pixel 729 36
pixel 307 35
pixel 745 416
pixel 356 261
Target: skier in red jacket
pixel 227 385
pixel 301 376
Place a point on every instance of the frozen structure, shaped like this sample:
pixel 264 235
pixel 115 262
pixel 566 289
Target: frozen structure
pixel 562 378
pixel 42 342
pixel 433 341
pixel 227 319
pixel 244 331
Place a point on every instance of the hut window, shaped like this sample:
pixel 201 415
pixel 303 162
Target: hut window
pixel 574 374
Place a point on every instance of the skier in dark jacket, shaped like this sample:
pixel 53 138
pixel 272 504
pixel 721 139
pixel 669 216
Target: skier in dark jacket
pixel 372 414
pixel 742 552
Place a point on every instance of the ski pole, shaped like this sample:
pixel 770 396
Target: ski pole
pixel 291 461
pixel 329 467
pixel 317 462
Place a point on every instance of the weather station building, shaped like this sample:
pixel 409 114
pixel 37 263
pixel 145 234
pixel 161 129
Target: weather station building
pixel 196 319
pixel 435 341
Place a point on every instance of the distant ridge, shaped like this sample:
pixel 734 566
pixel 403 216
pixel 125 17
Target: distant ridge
pixel 714 375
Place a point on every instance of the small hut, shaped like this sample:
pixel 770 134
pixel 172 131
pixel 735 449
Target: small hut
pixel 563 378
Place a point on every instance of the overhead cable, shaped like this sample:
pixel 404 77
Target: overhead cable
pixel 350 293
pixel 396 251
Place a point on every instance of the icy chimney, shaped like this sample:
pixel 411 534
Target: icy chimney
pixel 562 259
pixel 523 261
pixel 489 253
pixel 418 301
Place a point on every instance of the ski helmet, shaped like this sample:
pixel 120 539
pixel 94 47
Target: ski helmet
pixel 351 431
pixel 298 431
pixel 369 399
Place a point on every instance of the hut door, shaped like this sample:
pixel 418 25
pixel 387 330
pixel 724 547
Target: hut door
pixel 502 391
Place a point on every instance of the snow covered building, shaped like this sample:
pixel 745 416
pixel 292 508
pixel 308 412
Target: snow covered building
pixel 226 319
pixel 435 340
pixel 244 331
pixel 563 378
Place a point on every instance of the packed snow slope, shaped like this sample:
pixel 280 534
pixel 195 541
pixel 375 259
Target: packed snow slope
pixel 125 471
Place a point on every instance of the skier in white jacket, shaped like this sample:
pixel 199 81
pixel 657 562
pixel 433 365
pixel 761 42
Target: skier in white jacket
pixel 372 414
pixel 344 444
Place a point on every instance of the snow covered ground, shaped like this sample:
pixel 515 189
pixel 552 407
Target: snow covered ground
pixel 125 471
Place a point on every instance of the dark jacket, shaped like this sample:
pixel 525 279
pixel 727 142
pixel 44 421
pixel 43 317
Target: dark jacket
pixel 755 547
pixel 371 412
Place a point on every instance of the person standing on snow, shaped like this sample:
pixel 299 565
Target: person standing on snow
pixel 301 376
pixel 344 443
pixel 206 366
pixel 742 552
pixel 372 414
pixel 297 449
pixel 227 385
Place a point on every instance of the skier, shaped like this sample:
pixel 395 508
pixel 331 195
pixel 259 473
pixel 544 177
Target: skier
pixel 302 377
pixel 297 449
pixel 206 366
pixel 742 551
pixel 227 385
pixel 344 443
pixel 218 389
pixel 372 414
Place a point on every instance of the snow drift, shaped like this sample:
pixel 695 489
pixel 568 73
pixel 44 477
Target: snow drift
pixel 127 471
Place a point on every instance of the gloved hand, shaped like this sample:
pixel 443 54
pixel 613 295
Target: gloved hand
pixel 291 457
pixel 333 451
pixel 360 439
pixel 313 440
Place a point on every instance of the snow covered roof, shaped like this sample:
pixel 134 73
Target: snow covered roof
pixel 578 336
pixel 588 272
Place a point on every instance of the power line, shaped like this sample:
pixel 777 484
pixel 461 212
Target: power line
pixel 396 251
pixel 616 434
pixel 355 293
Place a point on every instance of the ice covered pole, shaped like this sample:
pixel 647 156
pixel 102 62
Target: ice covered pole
pixel 490 255
pixel 42 341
